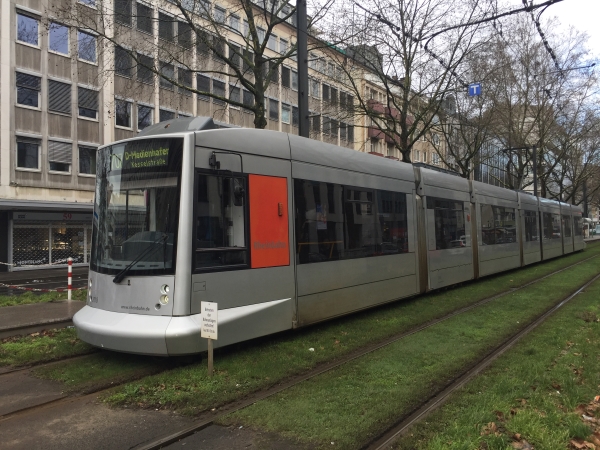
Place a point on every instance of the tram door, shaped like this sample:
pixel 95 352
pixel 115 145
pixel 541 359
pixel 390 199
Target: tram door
pixel 269 235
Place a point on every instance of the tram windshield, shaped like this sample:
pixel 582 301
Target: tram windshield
pixel 136 207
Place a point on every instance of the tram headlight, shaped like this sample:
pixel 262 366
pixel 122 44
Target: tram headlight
pixel 165 289
pixel 164 299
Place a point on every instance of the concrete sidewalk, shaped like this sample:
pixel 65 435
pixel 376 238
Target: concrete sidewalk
pixel 24 319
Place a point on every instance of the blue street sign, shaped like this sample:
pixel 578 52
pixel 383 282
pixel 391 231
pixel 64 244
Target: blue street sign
pixel 474 89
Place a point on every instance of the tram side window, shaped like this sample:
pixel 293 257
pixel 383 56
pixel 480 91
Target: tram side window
pixel 498 225
pixel 220 221
pixel 578 226
pixel 551 226
pixel 335 222
pixel 449 223
pixel 567 226
pixel 531 226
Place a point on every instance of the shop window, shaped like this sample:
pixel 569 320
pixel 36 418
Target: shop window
pixel 449 222
pixel 122 113
pixel 184 34
pixel 28 29
pixel 145 116
pixel 60 156
pixel 220 226
pixel 123 12
pixel 28 89
pixel 123 62
pixel 218 89
pixel 28 153
pixel 86 46
pixel 531 226
pixel 59 97
pixel 58 38
pixel 184 76
pixel 87 160
pixel 273 110
pixel 166 115
pixel 144 18
pixel 336 222
pixel 286 112
pixel 87 100
pixel 203 85
pixel 165 27
pixel 145 69
pixel 498 225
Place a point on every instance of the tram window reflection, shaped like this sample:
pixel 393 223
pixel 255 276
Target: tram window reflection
pixel 449 219
pixel 498 225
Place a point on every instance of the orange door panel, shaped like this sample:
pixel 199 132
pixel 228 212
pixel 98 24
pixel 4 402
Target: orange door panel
pixel 268 222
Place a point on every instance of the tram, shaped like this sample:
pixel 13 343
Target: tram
pixel 282 232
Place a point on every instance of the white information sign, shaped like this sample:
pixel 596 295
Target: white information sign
pixel 210 323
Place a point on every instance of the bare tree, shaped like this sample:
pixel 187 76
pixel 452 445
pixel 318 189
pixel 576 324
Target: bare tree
pixel 190 38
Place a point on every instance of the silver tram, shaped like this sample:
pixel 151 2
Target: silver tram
pixel 283 231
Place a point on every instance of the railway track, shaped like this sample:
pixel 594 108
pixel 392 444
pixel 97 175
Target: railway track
pixel 209 417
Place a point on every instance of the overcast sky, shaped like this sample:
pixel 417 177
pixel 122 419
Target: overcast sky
pixel 581 14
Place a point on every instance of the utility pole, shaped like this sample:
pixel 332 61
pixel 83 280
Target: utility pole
pixel 302 21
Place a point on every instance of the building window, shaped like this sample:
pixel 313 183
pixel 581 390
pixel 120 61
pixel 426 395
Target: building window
pixel 87 160
pixel 218 89
pixel 144 18
pixel 145 69
pixel 272 42
pixel 203 85
pixel 417 156
pixel 86 46
pixel 203 40
pixel 294 80
pixel 285 77
pixel 123 12
pixel 28 90
pixel 424 157
pixel 248 98
pixel 235 94
pixel 326 93
pixel 350 133
pixel 165 27
pixel 435 159
pixel 286 113
pixel 343 131
pixel 145 116
pixel 184 34
pixel 91 3
pixel 58 38
pixel 122 113
pixel 219 48
pixel 59 97
pixel 166 115
pixel 234 22
pixel 316 124
pixel 273 109
pixel 283 46
pixel 219 14
pixel 235 52
pixel 28 29
pixel 185 78
pixel 295 116
pixel 314 88
pixel 167 72
pixel 87 100
pixel 123 62
pixel 28 153
pixel 260 34
pixel 60 156
pixel 334 96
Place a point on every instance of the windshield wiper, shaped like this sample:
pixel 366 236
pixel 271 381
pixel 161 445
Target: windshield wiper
pixel 151 249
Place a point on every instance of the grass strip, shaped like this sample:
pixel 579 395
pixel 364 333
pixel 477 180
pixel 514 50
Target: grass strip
pixel 45 346
pixel 31 297
pixel 356 402
pixel 261 363
pixel 103 369
pixel 535 394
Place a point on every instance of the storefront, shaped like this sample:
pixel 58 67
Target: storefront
pixel 46 238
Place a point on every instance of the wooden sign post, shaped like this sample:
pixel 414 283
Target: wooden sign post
pixel 209 328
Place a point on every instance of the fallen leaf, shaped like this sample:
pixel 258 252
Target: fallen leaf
pixel 577 443
pixel 499 415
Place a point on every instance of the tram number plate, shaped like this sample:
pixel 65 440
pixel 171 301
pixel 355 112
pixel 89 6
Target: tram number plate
pixel 210 320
